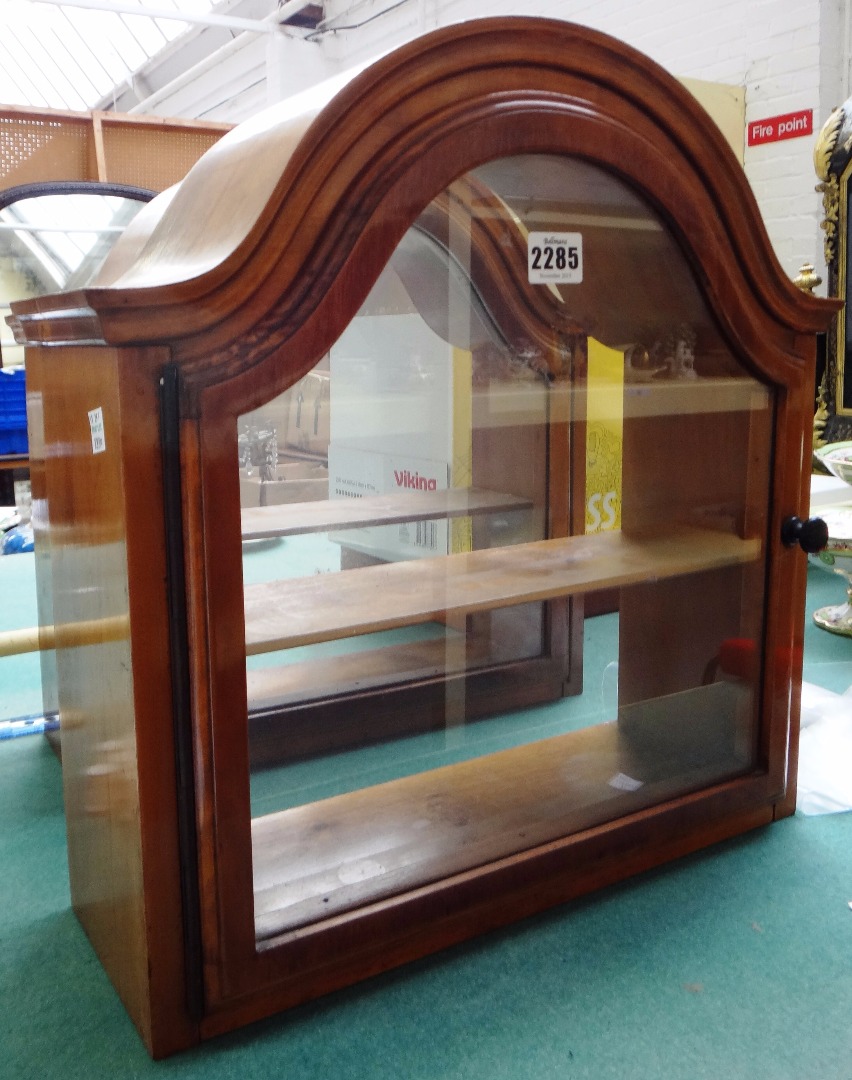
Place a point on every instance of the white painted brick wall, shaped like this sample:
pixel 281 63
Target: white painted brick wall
pixel 787 54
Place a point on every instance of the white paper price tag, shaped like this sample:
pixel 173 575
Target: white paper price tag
pixel 555 258
pixel 96 423
pixel 622 782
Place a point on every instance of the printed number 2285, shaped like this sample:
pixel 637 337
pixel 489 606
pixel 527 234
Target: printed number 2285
pixel 558 258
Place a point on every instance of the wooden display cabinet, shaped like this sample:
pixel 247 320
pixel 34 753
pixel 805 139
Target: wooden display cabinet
pixel 305 742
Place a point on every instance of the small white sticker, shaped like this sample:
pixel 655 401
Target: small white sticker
pixel 96 423
pixel 555 258
pixel 622 782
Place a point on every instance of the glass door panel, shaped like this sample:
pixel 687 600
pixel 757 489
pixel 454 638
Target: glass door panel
pixel 503 550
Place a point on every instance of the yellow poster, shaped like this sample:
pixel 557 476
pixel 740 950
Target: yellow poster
pixel 461 529
pixel 604 437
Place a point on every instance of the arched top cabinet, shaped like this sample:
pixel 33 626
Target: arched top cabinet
pixel 432 448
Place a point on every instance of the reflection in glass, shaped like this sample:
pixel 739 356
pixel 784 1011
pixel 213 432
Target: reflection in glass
pixel 53 237
pixel 503 549
pixel 56 242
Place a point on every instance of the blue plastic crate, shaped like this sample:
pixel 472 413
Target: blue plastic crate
pixel 13 411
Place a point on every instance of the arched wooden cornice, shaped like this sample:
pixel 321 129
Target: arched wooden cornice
pixel 275 237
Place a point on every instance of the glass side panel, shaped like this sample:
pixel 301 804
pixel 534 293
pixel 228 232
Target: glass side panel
pixel 48 242
pixel 503 549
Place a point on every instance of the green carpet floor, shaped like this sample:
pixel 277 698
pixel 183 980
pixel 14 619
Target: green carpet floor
pixel 734 963
pixel 20 676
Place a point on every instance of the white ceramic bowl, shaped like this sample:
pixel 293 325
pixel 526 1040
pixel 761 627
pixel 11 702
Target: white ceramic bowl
pixel 837 458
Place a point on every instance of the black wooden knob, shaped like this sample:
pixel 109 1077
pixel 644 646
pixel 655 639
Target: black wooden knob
pixel 810 535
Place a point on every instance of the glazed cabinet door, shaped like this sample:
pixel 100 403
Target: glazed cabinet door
pixel 497 579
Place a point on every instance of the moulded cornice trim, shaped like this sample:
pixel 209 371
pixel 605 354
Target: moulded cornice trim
pixel 281 209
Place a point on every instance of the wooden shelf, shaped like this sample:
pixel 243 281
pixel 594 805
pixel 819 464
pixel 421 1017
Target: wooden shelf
pixel 531 404
pixel 303 611
pixel 292 519
pixel 291 684
pixel 518 405
pixel 692 397
pixel 319 860
pixel 14 461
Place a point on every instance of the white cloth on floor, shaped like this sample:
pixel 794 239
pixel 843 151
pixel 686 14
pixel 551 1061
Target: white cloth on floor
pixel 825 751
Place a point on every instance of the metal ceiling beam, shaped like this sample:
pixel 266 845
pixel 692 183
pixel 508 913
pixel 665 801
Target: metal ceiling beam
pixel 230 22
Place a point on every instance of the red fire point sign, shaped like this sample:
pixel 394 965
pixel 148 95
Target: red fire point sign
pixel 776 128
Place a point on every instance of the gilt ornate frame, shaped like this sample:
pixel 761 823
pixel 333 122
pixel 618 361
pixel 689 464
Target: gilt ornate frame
pixel 833 164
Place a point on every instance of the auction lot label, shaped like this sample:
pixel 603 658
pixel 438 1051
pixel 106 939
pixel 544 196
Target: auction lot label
pixel 555 258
